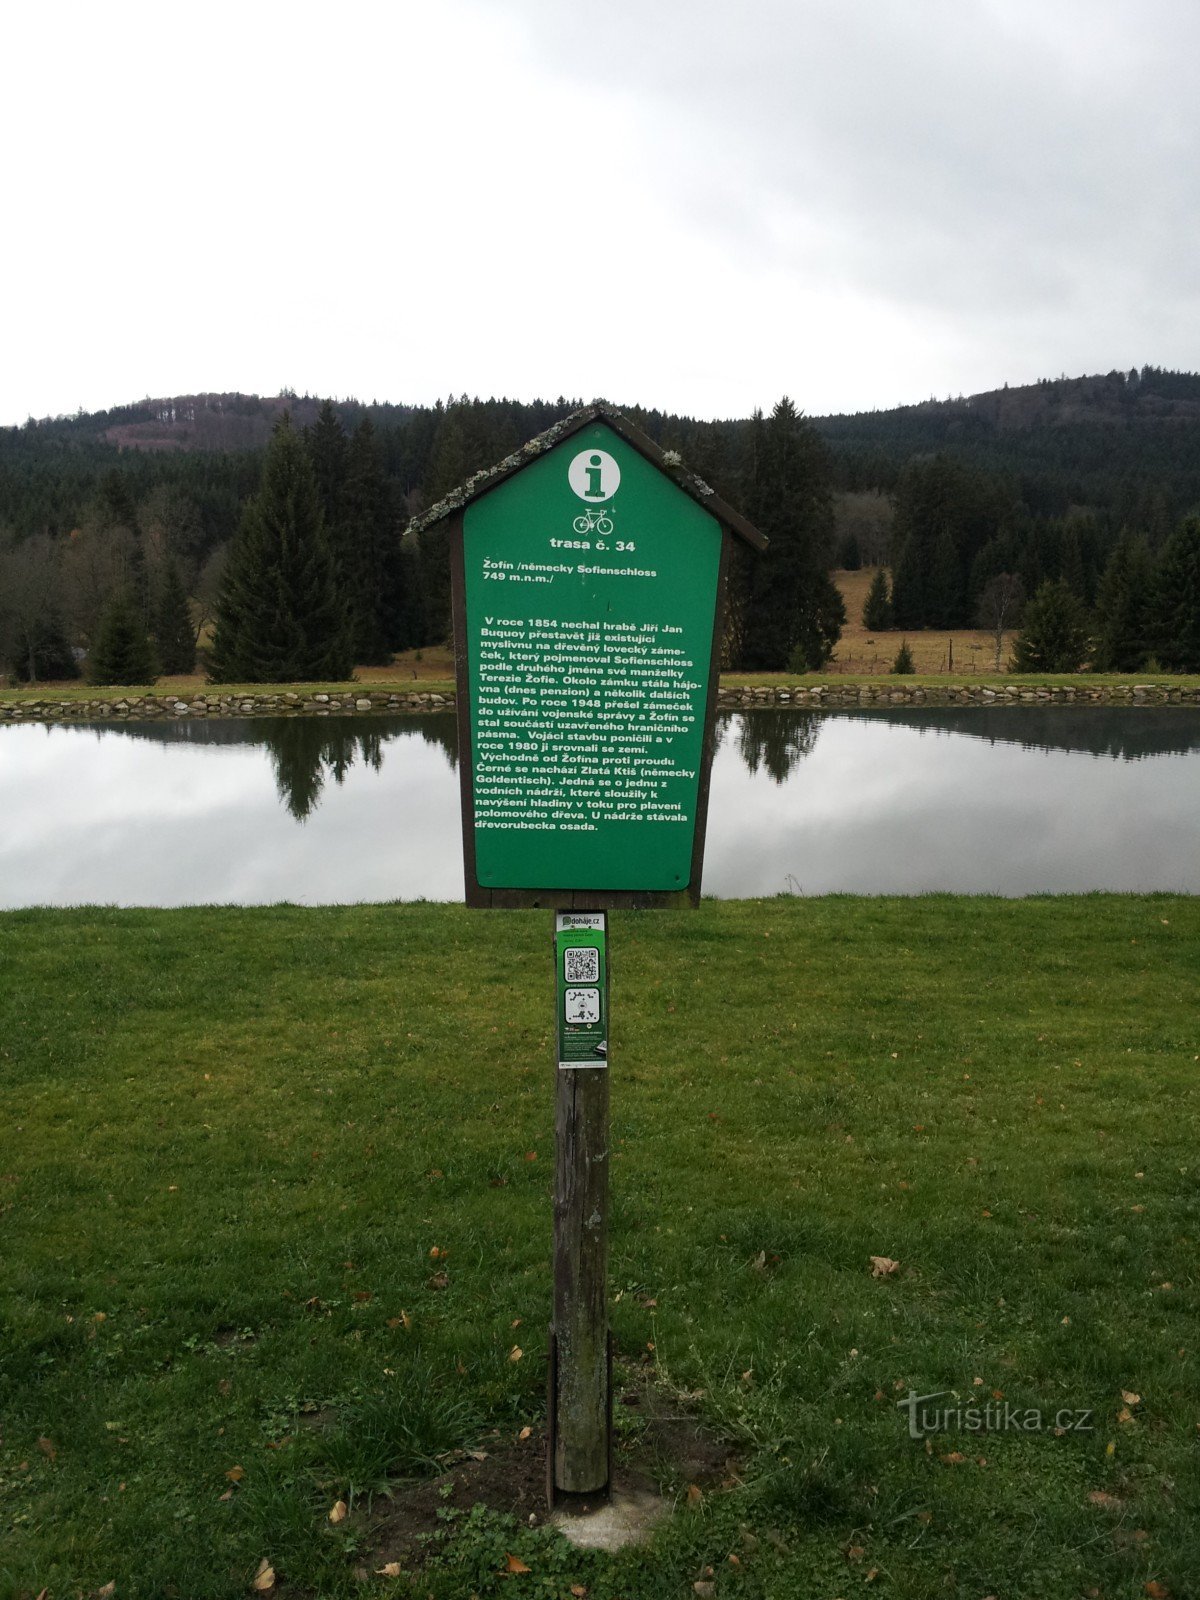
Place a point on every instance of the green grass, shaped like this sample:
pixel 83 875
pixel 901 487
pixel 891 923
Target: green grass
pixel 231 1139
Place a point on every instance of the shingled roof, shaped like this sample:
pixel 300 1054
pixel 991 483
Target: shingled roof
pixel 668 461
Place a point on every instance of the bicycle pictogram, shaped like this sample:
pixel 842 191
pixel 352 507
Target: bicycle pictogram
pixel 593 522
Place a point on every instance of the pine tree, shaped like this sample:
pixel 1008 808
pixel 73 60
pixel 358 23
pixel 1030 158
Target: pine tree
pixel 792 610
pixel 1178 586
pixel 174 633
pixel 902 666
pixel 280 618
pixel 122 653
pixel 877 608
pixel 1123 607
pixel 1054 637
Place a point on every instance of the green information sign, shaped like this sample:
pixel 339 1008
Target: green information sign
pixel 581 965
pixel 590 582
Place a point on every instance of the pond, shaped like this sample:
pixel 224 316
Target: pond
pixel 1010 800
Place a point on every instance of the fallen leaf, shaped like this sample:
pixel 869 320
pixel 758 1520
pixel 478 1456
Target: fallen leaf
pixel 47 1448
pixel 695 1494
pixel 579 1590
pixel 390 1569
pixel 954 1458
pixel 435 1252
pixel 236 1474
pixel 228 1495
pixel 704 1589
pixel 264 1578
pixel 883 1266
pixel 515 1564
pixel 338 1511
pixel 1124 1415
pixel 515 1353
pixel 855 1552
pixel 440 1280
pixel 525 1433
pixel 1130 1398
pixel 109 1588
pixel 1101 1497
pixel 531 1155
pixel 1157 1591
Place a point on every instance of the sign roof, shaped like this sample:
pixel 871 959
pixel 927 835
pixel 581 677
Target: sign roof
pixel 667 462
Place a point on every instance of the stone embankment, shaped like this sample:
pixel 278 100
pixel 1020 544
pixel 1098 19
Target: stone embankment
pixel 732 698
pixel 256 704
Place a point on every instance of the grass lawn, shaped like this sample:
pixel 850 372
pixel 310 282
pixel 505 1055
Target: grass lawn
pixel 231 1142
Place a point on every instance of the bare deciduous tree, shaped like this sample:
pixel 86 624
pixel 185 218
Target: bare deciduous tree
pixel 1000 607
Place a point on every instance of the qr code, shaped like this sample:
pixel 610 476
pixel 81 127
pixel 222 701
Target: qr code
pixel 582 965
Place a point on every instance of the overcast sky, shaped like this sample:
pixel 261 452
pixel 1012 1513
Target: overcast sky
pixel 676 203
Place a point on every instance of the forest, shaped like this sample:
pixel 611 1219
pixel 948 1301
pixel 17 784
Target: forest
pixel 124 535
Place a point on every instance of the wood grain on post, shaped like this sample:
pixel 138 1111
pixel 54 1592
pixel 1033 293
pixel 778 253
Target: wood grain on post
pixel 581 1402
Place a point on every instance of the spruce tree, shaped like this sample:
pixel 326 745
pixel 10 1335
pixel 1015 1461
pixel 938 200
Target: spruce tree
pixel 792 610
pixel 1178 586
pixel 280 618
pixel 40 651
pixel 326 444
pixel 369 549
pixel 1054 637
pixel 902 666
pixel 1123 607
pixel 173 630
pixel 122 653
pixel 877 608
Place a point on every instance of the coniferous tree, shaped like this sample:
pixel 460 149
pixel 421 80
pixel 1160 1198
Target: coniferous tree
pixel 328 451
pixel 877 608
pixel 908 586
pixel 1054 636
pixel 369 549
pixel 40 652
pixel 902 666
pixel 123 653
pixel 280 618
pixel 1178 590
pixel 793 613
pixel 174 633
pixel 1123 607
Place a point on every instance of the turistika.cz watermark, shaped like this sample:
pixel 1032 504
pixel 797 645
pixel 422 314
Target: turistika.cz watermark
pixel 995 1416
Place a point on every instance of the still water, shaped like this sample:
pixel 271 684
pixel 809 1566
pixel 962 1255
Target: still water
pixel 1007 801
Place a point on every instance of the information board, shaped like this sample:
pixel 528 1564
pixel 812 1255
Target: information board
pixel 581 966
pixel 590 583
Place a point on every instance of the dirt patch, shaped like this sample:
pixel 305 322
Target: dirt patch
pixel 657 1442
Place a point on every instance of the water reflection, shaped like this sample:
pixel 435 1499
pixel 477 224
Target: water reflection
pixel 1010 801
pixel 305 751
pixel 1124 733
pixel 776 741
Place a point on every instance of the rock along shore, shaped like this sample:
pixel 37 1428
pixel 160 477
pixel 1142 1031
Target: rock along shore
pixel 730 698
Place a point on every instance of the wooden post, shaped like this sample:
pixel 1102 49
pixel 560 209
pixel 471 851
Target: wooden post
pixel 580 1401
